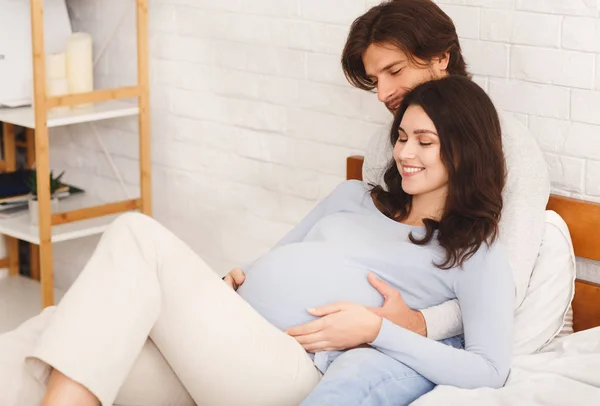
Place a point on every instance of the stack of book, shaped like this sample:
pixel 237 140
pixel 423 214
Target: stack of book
pixel 14 192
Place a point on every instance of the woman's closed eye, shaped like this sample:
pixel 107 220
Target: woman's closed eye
pixel 423 144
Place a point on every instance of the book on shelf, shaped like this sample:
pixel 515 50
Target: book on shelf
pixel 13 211
pixel 63 192
pixel 14 192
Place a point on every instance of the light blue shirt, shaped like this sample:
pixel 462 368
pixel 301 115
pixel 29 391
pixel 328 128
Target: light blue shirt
pixel 326 258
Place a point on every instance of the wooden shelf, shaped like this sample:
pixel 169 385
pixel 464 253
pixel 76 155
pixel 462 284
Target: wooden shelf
pixel 19 226
pixel 104 104
pixel 25 117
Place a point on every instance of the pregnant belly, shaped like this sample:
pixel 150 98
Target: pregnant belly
pixel 285 282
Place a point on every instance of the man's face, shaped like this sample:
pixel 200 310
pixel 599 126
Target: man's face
pixel 393 74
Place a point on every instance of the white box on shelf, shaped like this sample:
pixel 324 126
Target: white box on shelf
pixel 16 68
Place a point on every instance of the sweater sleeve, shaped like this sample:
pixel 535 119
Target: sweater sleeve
pixel 377 156
pixel 335 201
pixel 444 320
pixel 524 197
pixel 338 199
pixel 486 294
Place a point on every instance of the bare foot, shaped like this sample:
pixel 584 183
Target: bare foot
pixel 63 391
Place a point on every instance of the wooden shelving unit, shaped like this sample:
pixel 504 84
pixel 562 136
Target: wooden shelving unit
pixel 82 216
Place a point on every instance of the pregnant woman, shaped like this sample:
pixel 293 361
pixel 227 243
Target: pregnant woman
pixel 430 234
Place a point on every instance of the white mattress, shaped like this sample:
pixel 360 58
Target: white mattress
pixel 565 373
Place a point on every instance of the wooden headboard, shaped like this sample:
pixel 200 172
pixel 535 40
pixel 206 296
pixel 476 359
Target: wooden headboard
pixel 583 220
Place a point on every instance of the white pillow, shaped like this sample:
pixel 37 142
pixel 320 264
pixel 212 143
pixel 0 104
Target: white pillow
pixel 551 287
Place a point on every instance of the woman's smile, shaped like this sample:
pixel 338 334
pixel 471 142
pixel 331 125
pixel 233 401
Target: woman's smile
pixel 408 171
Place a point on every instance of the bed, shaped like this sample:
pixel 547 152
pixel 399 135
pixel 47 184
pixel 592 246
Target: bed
pixel 565 372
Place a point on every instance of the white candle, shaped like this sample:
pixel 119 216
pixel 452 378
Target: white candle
pixel 56 77
pixel 57 87
pixel 80 71
pixel 56 66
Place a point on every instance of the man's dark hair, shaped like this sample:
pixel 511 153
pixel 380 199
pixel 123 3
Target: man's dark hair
pixel 419 28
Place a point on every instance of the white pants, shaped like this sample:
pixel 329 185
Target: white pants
pixel 148 322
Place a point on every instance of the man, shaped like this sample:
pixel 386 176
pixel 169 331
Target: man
pixel 390 50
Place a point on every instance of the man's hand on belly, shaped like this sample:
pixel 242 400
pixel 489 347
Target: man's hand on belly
pixel 341 325
pixel 395 308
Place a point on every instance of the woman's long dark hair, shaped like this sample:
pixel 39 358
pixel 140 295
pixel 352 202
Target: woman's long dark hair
pixel 471 150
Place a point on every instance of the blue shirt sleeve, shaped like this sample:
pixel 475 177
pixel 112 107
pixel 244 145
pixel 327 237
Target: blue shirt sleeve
pixel 345 193
pixel 339 198
pixel 486 294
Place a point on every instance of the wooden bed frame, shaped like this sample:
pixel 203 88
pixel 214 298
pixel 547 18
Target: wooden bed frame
pixel 583 220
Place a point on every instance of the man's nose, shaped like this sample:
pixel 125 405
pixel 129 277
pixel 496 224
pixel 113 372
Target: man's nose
pixel 384 91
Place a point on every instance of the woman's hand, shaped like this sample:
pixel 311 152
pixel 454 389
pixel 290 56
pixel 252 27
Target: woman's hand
pixel 395 308
pixel 341 325
pixel 235 278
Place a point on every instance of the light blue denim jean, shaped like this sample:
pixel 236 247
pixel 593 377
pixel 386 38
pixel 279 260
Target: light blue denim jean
pixel 368 377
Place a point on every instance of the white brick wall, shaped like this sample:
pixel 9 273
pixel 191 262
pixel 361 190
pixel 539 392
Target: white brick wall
pixel 252 117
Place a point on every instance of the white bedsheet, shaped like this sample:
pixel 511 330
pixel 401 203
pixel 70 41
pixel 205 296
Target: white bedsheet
pixel 565 373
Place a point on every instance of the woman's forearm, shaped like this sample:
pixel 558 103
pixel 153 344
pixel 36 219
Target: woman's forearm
pixel 418 323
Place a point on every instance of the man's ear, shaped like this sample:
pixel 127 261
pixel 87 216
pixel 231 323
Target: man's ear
pixel 441 62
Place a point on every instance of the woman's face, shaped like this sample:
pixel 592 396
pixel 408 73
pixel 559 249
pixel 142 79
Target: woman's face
pixel 417 155
pixel 394 75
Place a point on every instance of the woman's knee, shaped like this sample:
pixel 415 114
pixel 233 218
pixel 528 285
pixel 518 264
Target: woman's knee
pixel 132 219
pixel 134 224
